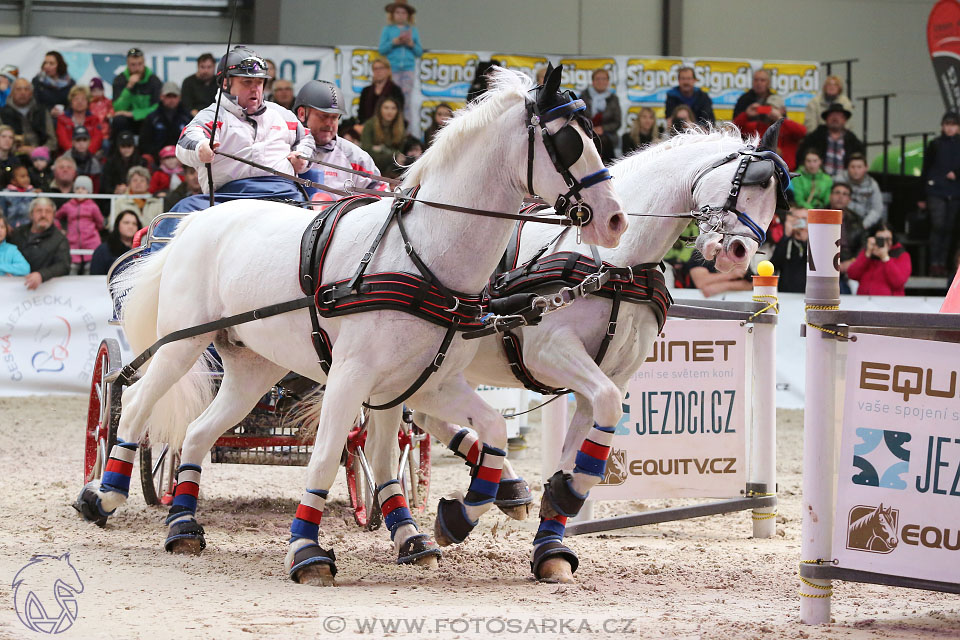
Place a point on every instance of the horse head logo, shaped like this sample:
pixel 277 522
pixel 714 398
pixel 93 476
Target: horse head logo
pixel 616 471
pixel 45 593
pixel 873 529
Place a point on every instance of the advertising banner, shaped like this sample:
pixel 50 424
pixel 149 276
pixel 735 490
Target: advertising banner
pixel 49 336
pixel 683 431
pixel 898 485
pixel 943 42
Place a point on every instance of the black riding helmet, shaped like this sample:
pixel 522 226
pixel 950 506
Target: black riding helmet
pixel 320 95
pixel 241 62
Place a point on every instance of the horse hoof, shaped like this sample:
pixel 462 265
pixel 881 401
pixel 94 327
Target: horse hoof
pixel 556 570
pixel 442 539
pixel 186 546
pixel 316 575
pixel 86 505
pixel 427 562
pixel 519 512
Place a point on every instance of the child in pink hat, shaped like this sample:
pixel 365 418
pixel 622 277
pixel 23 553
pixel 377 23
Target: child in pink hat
pixel 170 173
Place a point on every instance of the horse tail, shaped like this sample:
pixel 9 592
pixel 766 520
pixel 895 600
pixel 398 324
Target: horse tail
pixel 139 286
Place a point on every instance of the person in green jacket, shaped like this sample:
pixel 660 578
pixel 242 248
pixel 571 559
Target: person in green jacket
pixel 136 94
pixel 811 189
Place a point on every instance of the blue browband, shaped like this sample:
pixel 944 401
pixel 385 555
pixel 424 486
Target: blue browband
pixel 562 110
pixel 595 178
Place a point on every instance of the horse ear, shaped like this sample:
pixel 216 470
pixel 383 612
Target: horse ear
pixel 551 82
pixel 771 137
pixel 549 70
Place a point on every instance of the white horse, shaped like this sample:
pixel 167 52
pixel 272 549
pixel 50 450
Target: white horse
pixel 678 175
pixel 244 255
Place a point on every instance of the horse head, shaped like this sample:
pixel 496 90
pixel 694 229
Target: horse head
pixel 45 592
pixel 885 528
pixel 739 194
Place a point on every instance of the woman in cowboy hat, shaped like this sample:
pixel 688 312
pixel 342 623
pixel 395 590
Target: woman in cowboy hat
pixel 400 44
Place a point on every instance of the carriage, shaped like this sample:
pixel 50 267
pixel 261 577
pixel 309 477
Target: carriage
pixel 267 436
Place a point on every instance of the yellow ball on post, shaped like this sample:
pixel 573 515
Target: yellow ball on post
pixel 765 268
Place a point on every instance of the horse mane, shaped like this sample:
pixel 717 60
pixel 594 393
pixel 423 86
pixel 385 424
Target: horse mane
pixel 506 88
pixel 863 522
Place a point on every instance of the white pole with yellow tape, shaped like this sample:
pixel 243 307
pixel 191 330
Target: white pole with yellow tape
pixel 819 415
pixel 763 441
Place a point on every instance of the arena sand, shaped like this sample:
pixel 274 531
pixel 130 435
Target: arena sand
pixel 703 578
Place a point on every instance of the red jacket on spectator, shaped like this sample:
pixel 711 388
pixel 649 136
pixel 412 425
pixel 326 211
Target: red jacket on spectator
pixel 65 131
pixel 878 278
pixel 791 133
pixel 81 221
pixel 102 107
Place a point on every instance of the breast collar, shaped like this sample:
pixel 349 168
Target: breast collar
pixel 564 148
pixel 756 167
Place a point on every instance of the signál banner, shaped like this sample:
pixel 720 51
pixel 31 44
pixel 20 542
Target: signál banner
pixel 943 41
pixel 898 485
pixel 49 337
pixel 683 431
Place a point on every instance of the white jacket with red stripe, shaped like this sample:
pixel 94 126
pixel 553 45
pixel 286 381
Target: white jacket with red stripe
pixel 266 137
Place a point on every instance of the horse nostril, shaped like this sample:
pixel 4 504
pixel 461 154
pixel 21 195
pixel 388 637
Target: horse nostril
pixel 617 223
pixel 738 250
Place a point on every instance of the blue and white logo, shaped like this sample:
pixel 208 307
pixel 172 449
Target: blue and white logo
pixel 45 594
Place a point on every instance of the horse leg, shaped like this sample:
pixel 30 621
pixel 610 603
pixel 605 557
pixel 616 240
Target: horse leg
pixel 410 545
pixel 348 385
pixel 455 401
pixel 246 378
pixel 513 494
pixel 100 499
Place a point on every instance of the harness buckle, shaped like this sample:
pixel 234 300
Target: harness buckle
pixel 408 248
pixel 367 257
pixel 612 328
pixel 328 296
pixel 500 282
pixel 438 360
pixel 456 305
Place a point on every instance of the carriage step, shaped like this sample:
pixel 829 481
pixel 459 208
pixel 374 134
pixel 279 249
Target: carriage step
pixel 285 456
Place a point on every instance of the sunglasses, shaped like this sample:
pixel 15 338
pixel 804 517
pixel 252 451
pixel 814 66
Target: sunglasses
pixel 251 64
pixel 135 53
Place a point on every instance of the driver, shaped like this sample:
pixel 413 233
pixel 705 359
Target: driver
pixel 319 106
pixel 248 127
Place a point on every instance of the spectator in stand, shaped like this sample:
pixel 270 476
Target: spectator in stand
pixel 136 94
pixel 81 221
pixel 118 242
pixel 866 200
pixel 162 128
pixel 883 267
pixel 400 43
pixel 833 141
pixel 351 129
pixel 41 175
pixel 101 106
pixel 603 108
pixel 52 85
pixel 441 114
pixel 64 175
pixel 87 163
pixel 123 156
pixel 189 186
pixel 9 158
pixel 481 80
pixel 410 151
pixel 169 175
pixel 680 119
pixel 138 197
pixel 790 253
pixel 756 119
pixel 382 85
pixel 270 79
pixel 383 134
pixel 811 189
pixel 678 256
pixel 8 75
pixel 711 282
pixel 42 244
pixel 643 132
pixel 755 97
pixel 687 93
pixel 851 230
pixel 283 93
pixel 18 208
pixel 200 89
pixel 12 262
pixel 832 93
pixel 78 114
pixel 941 168
pixel 28 119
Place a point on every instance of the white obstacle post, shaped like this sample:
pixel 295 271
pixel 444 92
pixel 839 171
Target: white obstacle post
pixel 763 443
pixel 819 416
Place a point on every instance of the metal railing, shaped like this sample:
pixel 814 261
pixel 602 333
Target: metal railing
pixel 113 197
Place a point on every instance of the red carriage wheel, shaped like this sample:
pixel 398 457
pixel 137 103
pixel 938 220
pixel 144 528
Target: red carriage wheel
pixel 417 480
pixel 158 473
pixel 363 499
pixel 103 411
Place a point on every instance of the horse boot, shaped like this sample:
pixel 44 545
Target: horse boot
pixel 185 535
pixel 513 494
pixel 412 546
pixel 456 517
pixel 99 500
pixel 306 561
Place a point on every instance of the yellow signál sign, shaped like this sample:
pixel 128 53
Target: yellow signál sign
pixel 796 82
pixel 360 72
pixel 447 75
pixel 725 81
pixel 527 65
pixel 427 107
pixel 578 72
pixel 649 79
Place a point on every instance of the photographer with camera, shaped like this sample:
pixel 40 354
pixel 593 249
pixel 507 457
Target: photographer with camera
pixel 790 253
pixel 883 266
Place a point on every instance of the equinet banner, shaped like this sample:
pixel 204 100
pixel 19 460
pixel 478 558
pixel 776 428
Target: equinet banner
pixel 684 426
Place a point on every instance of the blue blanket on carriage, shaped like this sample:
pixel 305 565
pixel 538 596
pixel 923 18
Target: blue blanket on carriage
pixel 273 187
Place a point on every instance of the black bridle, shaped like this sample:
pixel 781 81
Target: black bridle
pixel 564 148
